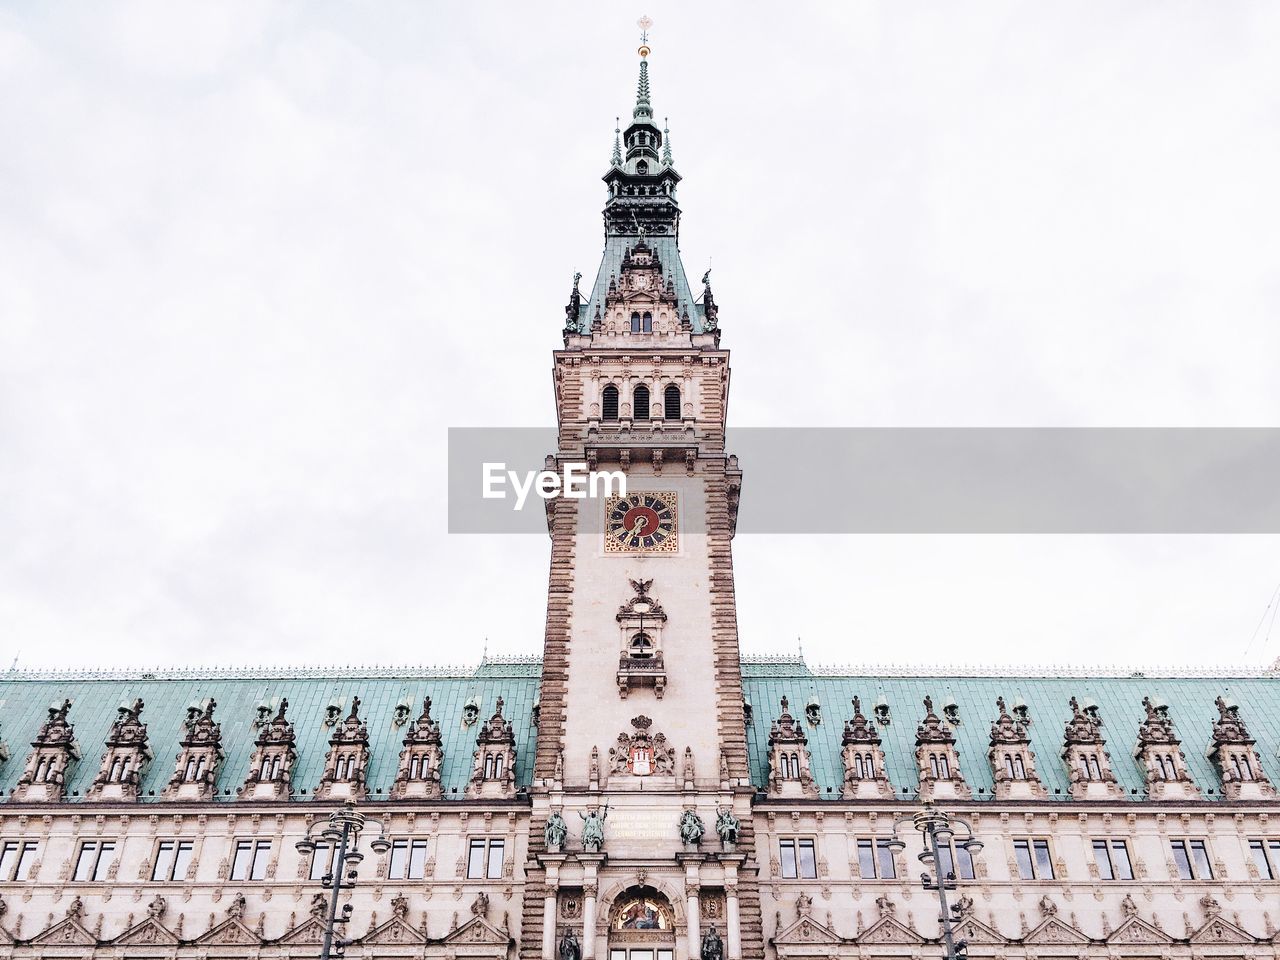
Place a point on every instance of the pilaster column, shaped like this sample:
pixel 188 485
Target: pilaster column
pixel 691 889
pixel 733 923
pixel 589 919
pixel 590 885
pixel 551 863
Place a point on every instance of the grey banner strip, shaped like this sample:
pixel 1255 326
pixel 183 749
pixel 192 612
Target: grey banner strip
pixel 927 480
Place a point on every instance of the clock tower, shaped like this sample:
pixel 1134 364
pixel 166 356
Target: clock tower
pixel 641 720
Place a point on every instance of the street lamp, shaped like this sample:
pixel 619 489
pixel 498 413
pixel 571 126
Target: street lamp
pixel 340 830
pixel 937 829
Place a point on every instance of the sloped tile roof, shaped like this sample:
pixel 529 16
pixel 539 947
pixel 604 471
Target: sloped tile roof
pixel 25 698
pixel 1190 700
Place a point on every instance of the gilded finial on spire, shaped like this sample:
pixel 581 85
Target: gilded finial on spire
pixel 644 23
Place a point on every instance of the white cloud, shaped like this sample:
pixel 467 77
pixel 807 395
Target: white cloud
pixel 254 260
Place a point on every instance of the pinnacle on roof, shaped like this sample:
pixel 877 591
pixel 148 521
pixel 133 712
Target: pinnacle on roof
pixel 666 144
pixel 643 109
pixel 616 160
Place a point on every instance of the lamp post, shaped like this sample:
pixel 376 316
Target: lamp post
pixel 937 827
pixel 342 831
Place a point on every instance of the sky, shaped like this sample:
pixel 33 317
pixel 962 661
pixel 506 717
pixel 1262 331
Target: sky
pixel 256 258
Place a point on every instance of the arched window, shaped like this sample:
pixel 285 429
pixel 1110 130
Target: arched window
pixel 671 402
pixel 635 322
pixel 1008 766
pixel 641 402
pixel 1019 768
pixel 646 322
pixel 488 766
pixel 200 765
pixel 858 770
pixel 609 408
pixel 190 773
pixel 1095 768
pixel 497 767
pixel 641 646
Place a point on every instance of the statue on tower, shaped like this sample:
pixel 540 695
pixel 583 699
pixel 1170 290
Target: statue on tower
pixel 726 825
pixel 593 829
pixel 712 946
pixel 691 828
pixel 569 947
pixel 557 831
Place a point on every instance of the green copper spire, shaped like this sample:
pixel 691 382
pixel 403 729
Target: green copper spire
pixel 643 110
pixel 617 142
pixel 666 144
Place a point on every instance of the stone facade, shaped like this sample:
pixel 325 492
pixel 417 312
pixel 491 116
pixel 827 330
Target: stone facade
pixel 640 791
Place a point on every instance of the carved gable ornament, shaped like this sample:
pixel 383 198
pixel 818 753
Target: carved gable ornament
pixel 477 930
pixel 150 932
pixel 395 930
pixel 230 931
pixel 888 930
pixel 1218 930
pixel 309 931
pixel 66 932
pixel 1136 930
pixel 806 931
pixel 1054 931
pixel 975 931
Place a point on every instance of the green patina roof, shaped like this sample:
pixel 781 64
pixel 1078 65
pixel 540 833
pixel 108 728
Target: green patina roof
pixel 25 698
pixel 1190 700
pixel 666 250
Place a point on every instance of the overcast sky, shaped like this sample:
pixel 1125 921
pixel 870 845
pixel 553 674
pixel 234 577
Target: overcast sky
pixel 256 258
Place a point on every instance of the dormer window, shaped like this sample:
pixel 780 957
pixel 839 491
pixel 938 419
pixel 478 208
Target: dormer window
pixel 1014 767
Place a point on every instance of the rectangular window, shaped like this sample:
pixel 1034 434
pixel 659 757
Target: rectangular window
pixel 866 860
pixel 787 855
pixel 875 860
pixel 1266 856
pixel 1034 862
pixel 484 859
pixel 173 857
pixel 251 859
pixel 1192 859
pixel 475 859
pixel 408 860
pixel 1112 858
pixel 955 861
pixel 798 858
pixel 497 852
pixel 16 857
pixel 322 860
pixel 94 859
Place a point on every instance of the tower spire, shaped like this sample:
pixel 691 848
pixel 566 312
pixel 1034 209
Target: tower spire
pixel 643 110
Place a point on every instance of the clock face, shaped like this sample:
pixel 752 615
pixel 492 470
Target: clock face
pixel 642 522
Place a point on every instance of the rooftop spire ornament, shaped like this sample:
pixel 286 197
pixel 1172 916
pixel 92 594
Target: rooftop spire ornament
pixel 644 23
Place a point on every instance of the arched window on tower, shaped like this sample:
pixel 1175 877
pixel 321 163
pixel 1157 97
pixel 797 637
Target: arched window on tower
pixel 641 402
pixel 671 402
pixel 646 322
pixel 635 322
pixel 609 406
